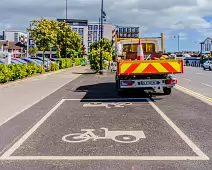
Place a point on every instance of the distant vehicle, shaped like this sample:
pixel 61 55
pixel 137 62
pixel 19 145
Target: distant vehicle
pixel 207 65
pixel 2 61
pixel 20 60
pixel 29 60
pixel 15 62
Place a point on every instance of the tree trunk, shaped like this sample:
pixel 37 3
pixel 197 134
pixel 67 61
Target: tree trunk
pixel 43 65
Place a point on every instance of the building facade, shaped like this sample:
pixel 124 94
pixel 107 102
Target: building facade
pixel 15 36
pixel 127 32
pixel 206 46
pixel 91 31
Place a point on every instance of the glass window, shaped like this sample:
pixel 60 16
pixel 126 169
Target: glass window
pixel 133 29
pixel 128 30
pixel 132 35
pixel 89 32
pixel 89 50
pixel 95 33
pixel 124 30
pixel 95 39
pixel 95 27
pixel 90 27
pixel 120 30
pixel 89 38
pixel 101 28
pixel 89 44
pixel 74 29
pixel 136 30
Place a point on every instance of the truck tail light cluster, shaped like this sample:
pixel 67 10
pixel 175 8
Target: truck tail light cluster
pixel 171 82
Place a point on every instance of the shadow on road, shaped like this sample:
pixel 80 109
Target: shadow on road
pixel 104 92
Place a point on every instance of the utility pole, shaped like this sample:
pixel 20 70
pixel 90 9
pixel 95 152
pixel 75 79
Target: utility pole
pixel 66 24
pixel 101 32
pixel 178 38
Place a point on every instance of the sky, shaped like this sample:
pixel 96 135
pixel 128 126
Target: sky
pixel 191 19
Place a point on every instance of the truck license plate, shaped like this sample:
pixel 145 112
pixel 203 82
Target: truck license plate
pixel 148 83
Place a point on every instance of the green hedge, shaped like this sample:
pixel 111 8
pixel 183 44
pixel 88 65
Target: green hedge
pixel 65 63
pixel 17 71
pixel 78 61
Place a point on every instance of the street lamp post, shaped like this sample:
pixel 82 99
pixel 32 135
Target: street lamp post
pixel 66 24
pixel 101 31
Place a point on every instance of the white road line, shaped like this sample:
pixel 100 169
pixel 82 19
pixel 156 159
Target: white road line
pixel 9 152
pixel 30 132
pixel 180 133
pixel 207 85
pixel 200 73
pixel 186 79
pixel 126 158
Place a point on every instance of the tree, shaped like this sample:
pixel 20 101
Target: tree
pixel 66 37
pixel 108 51
pixel 44 33
pixel 33 51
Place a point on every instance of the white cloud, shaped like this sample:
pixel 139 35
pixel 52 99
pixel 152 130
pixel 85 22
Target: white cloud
pixel 151 14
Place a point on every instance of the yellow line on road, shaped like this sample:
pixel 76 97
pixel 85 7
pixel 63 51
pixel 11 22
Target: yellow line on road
pixel 195 94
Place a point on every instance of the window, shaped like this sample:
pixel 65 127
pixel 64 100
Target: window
pixel 120 30
pixel 133 29
pixel 95 39
pixel 124 29
pixel 128 30
pixel 95 33
pixel 90 27
pixel 136 29
pixel 16 37
pixel 95 27
pixel 74 29
pixel 89 50
pixel 89 38
pixel 89 32
pixel 101 28
pixel 132 35
pixel 89 44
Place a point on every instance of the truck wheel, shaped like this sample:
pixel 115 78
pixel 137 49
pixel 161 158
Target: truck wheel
pixel 167 91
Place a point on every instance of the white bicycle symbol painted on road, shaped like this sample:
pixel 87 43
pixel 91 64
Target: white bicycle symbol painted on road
pixel 107 105
pixel 117 136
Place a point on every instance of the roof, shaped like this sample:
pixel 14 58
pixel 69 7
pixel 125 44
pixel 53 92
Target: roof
pixel 208 38
pixel 13 45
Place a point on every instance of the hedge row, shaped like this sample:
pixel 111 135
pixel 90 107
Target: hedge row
pixel 78 61
pixel 14 72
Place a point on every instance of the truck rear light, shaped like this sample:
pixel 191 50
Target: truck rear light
pixel 171 82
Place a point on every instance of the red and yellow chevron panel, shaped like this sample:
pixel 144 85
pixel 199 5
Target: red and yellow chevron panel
pixel 129 67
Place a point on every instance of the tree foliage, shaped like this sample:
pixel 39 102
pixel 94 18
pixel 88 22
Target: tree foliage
pixel 44 33
pixel 33 51
pixel 50 33
pixel 66 37
pixel 107 50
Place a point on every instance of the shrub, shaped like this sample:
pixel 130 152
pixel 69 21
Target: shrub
pixel 5 74
pixel 65 63
pixel 53 67
pixel 77 61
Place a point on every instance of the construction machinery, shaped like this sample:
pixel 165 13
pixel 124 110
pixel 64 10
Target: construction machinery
pixel 142 65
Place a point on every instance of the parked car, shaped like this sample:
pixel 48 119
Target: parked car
pixel 20 60
pixel 2 61
pixel 15 62
pixel 207 65
pixel 29 60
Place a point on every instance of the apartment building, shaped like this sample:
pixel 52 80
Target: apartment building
pixel 128 32
pixel 91 31
pixel 15 36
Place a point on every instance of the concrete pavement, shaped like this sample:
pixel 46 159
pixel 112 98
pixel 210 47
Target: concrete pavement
pixel 64 130
pixel 197 79
pixel 15 98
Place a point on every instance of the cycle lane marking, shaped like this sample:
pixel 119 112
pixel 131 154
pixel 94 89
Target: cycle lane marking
pixel 83 137
pixel 9 152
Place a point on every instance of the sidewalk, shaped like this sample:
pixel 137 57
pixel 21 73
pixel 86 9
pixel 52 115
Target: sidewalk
pixel 18 97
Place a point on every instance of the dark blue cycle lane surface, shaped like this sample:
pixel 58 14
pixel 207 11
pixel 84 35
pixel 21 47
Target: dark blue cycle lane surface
pixel 92 128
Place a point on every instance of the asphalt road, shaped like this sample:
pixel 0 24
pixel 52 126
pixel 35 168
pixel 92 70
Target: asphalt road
pixel 197 79
pixel 85 125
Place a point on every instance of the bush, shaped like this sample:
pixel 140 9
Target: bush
pixel 78 61
pixel 94 59
pixel 5 74
pixel 65 63
pixel 53 67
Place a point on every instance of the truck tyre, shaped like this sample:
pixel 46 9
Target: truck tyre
pixel 167 91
